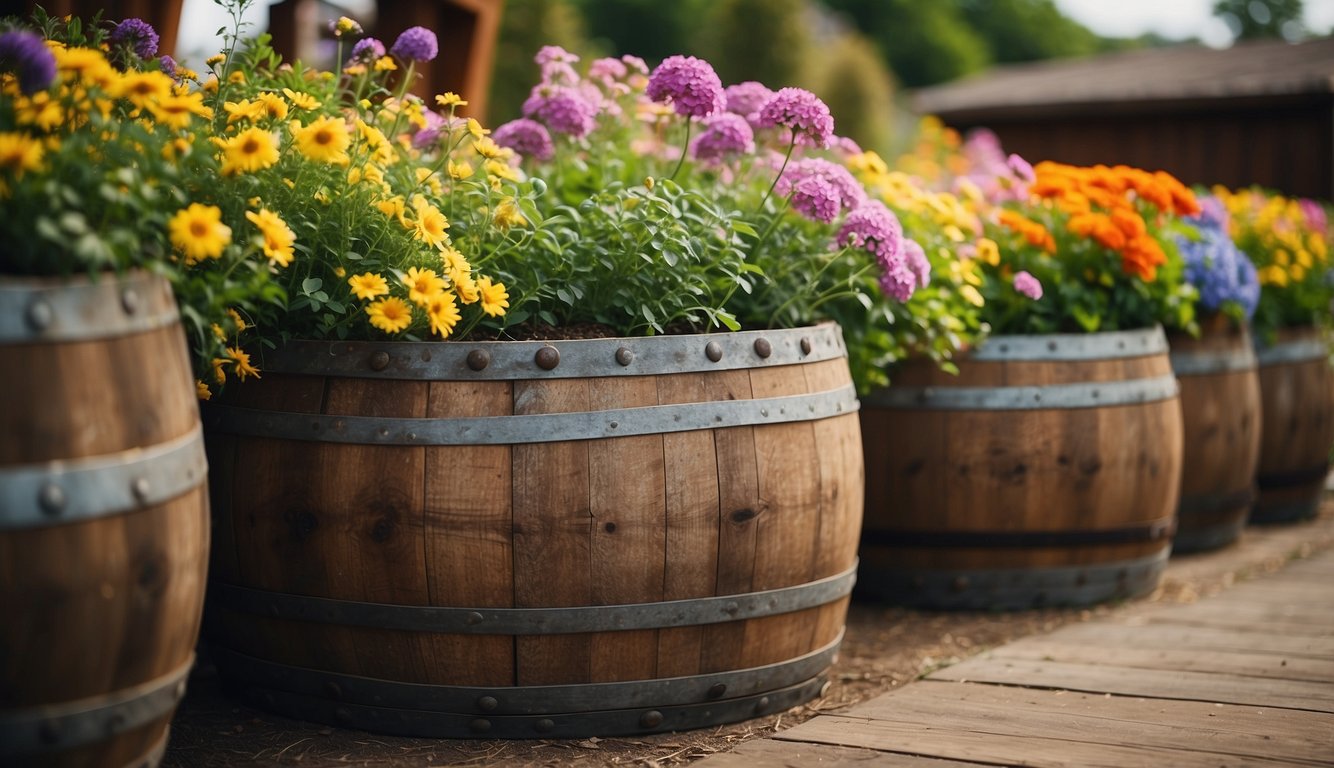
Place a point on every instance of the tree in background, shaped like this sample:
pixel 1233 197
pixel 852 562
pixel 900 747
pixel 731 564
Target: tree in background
pixel 1254 19
pixel 526 26
pixel 764 40
pixel 923 42
pixel 650 29
pixel 1027 30
pixel 853 81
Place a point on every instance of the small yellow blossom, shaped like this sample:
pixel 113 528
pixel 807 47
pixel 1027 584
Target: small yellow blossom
pixel 237 320
pixel 507 214
pixel 495 299
pixel 202 391
pixel 368 285
pixel 20 153
pixel 198 232
pixel 430 223
pixel 215 60
pixel 459 171
pixel 988 251
pixel 278 237
pixel 390 315
pixel 301 100
pixel 385 64
pixel 450 99
pixel 251 150
pixel 241 361
pixel 423 285
pixel 325 140
pixel 443 313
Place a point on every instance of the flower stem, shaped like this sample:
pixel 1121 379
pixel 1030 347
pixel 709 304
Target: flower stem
pixel 685 147
pixel 791 146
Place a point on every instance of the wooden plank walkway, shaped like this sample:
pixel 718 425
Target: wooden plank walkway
pixel 1243 678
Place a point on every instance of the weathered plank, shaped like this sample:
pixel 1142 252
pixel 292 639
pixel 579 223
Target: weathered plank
pixel 768 753
pixel 1171 658
pixel 1151 683
pixel 948 741
pixel 1095 719
pixel 1200 638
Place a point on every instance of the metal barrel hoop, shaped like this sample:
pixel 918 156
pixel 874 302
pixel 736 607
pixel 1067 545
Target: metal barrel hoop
pixel 1027 398
pixel 1068 347
pixel 1290 352
pixel 84 310
pixel 1206 362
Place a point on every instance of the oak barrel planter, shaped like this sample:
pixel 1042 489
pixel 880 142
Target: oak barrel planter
pixel 1297 400
pixel 1045 473
pixel 1220 410
pixel 103 520
pixel 536 539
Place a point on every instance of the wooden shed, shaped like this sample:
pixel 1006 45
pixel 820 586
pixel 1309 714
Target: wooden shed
pixel 1255 113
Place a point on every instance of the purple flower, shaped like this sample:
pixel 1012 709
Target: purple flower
pixel 846 146
pixel 527 137
pixel 690 84
pixel 801 112
pixel 874 228
pixel 724 135
pixel 816 199
pixel 1220 271
pixel 168 65
pixel 562 110
pixel 1213 214
pixel 428 136
pixel 917 263
pixel 368 50
pixel 551 53
pixel 607 70
pixel 415 44
pixel 746 99
pixel 1314 213
pixel 635 63
pixel 850 193
pixel 25 53
pixel 1027 285
pixel 137 35
pixel 1020 168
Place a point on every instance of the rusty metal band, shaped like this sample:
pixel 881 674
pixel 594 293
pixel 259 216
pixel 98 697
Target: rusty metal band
pixel 55 727
pixel 1203 362
pixel 1268 511
pixel 500 701
pixel 1108 345
pixel 1211 520
pixel 1013 588
pixel 604 723
pixel 533 621
pixel 1202 538
pixel 1135 534
pixel 153 757
pixel 533 428
pixel 1314 474
pixel 73 490
pixel 1210 506
pixel 37 310
pixel 1300 351
pixel 573 358
pixel 1061 396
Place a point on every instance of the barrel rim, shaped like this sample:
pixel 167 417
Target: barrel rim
pixel 558 359
pixel 1098 394
pixel 84 308
pixel 1060 347
pixel 1306 350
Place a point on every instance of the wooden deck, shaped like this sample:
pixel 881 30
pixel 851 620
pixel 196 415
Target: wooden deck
pixel 1243 678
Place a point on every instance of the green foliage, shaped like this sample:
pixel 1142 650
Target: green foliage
pixel 1027 30
pixel 1258 19
pixel 924 43
pixel 650 29
pixel 859 90
pixel 764 40
pixel 525 26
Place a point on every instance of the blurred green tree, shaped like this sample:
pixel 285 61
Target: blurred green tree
pixel 650 29
pixel 924 42
pixel 1027 30
pixel 526 26
pixel 1253 19
pixel 853 81
pixel 764 40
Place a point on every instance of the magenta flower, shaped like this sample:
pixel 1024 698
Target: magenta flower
pixel 367 51
pixel 801 112
pixel 527 137
pixel 607 70
pixel 689 84
pixel 562 110
pixel 635 63
pixel 724 135
pixel 1021 168
pixel 168 65
pixel 915 258
pixel 1027 285
pixel 136 35
pixel 816 199
pixel 850 192
pixel 26 54
pixel 746 99
pixel 875 229
pixel 1314 213
pixel 415 44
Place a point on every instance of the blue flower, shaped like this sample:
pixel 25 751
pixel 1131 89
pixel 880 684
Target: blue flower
pixel 1221 272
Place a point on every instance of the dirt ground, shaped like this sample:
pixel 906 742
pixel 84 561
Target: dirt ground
pixel 884 648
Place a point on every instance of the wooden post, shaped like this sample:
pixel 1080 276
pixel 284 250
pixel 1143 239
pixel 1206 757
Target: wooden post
pixel 164 16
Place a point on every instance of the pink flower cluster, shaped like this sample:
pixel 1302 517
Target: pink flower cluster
pixel 875 228
pixel 802 113
pixel 689 84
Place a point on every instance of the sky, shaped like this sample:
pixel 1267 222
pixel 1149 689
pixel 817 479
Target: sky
pixel 1110 18
pixel 1173 18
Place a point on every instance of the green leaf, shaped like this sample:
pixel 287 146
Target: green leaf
pixel 310 285
pixel 744 228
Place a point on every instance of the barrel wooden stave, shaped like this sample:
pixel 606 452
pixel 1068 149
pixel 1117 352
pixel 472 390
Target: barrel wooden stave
pixel 602 521
pixel 1221 416
pixel 1297 401
pixel 941 472
pixel 104 604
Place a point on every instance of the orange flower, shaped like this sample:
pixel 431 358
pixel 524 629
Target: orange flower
pixel 1142 257
pixel 1130 223
pixel 1099 227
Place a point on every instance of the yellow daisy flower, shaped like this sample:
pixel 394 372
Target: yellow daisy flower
pixel 450 99
pixel 431 223
pixel 301 100
pixel 385 64
pixel 390 315
pixel 202 391
pixel 459 171
pixel 368 285
pixel 278 237
pixel 237 320
pixel 176 111
pixel 19 153
pixel 443 313
pixel 198 232
pixel 243 110
pixel 494 296
pixel 988 251
pixel 274 106
pixel 423 285
pixel 241 360
pixel 476 129
pixel 324 140
pixel 501 170
pixel 507 214
pixel 143 88
pixel 252 150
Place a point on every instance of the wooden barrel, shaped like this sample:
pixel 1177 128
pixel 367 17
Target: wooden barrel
pixel 1220 413
pixel 536 539
pixel 1045 473
pixel 103 521
pixel 1297 399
